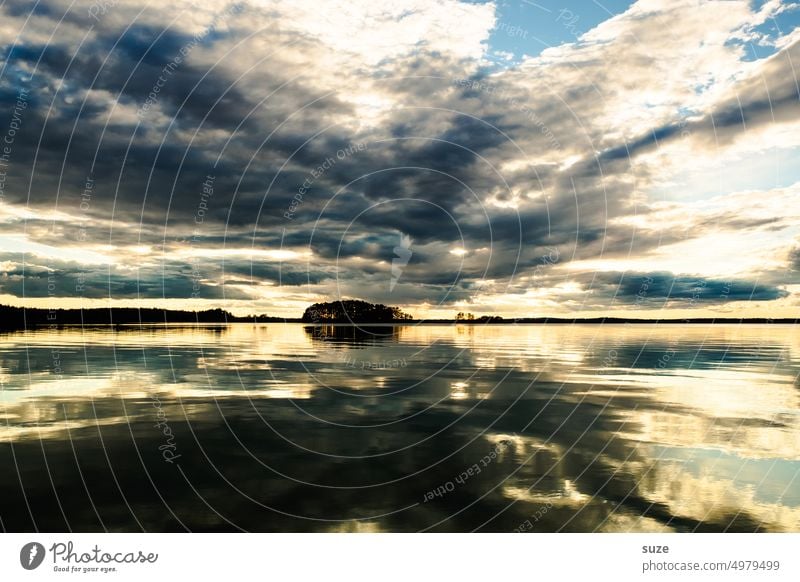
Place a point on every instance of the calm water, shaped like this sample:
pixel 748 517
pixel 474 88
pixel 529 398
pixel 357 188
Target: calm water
pixel 491 428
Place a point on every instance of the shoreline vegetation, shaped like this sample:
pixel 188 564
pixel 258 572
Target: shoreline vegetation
pixel 347 312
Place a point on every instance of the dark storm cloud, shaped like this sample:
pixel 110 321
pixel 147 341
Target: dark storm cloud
pixel 97 283
pixel 661 286
pixel 444 148
pixel 129 65
pixel 70 137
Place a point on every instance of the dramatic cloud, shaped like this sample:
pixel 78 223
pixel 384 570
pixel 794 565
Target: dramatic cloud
pixel 263 155
pixel 666 286
pixel 794 259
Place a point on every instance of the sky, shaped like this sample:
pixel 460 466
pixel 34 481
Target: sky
pixel 506 158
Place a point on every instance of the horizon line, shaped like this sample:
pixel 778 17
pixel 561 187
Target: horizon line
pixel 228 317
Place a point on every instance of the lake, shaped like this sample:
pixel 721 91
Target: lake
pixel 281 427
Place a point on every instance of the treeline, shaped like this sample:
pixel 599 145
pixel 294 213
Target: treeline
pixel 28 317
pixel 609 320
pixel 346 311
pixel 353 311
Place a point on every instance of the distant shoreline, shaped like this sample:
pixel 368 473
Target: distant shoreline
pixel 16 318
pixel 557 320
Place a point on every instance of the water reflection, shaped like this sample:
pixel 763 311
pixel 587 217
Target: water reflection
pixel 354 334
pixel 277 428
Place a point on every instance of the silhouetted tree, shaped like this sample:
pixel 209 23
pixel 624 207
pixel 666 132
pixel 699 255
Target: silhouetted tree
pixel 352 310
pixel 22 317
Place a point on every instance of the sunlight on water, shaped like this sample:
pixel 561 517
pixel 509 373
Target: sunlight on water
pixel 284 427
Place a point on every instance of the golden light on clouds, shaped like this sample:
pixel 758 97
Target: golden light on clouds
pixel 286 146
